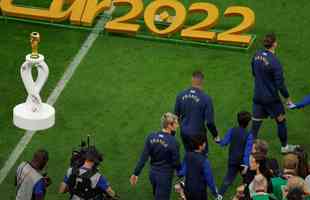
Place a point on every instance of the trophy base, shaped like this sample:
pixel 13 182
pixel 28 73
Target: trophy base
pixel 25 119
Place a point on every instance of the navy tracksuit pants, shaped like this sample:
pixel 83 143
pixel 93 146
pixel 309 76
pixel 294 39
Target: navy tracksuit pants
pixel 161 183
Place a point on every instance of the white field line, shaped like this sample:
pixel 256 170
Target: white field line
pixel 25 140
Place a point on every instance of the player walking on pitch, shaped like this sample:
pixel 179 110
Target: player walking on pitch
pixel 268 82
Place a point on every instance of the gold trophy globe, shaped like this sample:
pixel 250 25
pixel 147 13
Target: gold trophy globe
pixel 34 114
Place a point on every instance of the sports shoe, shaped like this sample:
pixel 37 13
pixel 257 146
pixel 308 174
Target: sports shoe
pixel 289 148
pixel 291 106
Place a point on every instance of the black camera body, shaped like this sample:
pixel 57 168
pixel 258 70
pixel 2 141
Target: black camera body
pixel 85 152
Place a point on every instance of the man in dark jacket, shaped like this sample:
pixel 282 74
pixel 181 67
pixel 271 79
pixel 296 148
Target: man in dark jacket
pixel 268 82
pixel 163 149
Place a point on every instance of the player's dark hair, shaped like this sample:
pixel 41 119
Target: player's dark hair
pixel 295 194
pixel 269 40
pixel 198 75
pixel 40 157
pixel 198 141
pixel 244 118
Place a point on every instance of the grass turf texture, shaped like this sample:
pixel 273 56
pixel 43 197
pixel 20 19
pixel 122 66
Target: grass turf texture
pixel 124 85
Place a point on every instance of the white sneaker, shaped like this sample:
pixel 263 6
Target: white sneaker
pixel 289 148
pixel 291 106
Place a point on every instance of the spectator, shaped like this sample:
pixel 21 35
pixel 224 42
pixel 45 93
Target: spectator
pixel 297 182
pixel 258 165
pixel 259 185
pixel 254 146
pixel 259 148
pixel 290 163
pixel 295 194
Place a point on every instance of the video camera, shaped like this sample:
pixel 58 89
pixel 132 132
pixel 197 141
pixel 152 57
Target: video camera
pixel 85 151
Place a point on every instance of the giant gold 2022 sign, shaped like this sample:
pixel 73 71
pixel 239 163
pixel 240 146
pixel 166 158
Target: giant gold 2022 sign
pixel 84 12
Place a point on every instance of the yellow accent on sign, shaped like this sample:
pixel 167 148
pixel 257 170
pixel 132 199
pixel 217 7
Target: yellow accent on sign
pixel 164 16
pixel 121 24
pixel 177 22
pixel 233 35
pixel 198 31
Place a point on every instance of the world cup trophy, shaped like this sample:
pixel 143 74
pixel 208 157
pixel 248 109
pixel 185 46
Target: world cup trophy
pixel 34 114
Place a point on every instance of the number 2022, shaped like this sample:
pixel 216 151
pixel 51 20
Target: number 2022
pixel 198 31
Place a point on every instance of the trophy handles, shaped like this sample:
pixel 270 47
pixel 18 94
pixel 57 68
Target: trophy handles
pixel 33 87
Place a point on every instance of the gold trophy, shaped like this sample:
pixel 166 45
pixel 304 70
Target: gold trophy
pixel 35 40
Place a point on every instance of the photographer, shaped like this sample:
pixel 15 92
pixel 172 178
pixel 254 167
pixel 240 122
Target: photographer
pixel 30 184
pixel 85 182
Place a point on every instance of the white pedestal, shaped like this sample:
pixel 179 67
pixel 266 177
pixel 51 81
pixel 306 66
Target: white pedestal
pixel 34 121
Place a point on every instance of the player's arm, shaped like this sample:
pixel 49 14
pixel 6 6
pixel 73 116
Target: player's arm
pixel 248 150
pixel 278 77
pixel 143 159
pixel 209 114
pixel 182 171
pixel 227 138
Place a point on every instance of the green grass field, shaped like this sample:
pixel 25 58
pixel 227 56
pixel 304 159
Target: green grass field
pixel 123 85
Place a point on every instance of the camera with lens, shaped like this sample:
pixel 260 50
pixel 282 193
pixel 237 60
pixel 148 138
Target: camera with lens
pixel 85 152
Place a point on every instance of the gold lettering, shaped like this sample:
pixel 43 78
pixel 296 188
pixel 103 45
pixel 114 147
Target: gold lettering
pixel 54 13
pixel 93 9
pixel 73 13
pixel 8 8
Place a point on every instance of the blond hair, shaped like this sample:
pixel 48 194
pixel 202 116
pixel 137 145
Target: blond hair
pixel 167 119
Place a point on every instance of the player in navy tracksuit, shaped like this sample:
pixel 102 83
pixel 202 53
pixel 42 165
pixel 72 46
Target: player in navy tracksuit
pixel 237 138
pixel 195 110
pixel 197 172
pixel 163 150
pixel 269 81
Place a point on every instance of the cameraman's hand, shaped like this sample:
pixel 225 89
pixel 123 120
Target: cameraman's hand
pixel 47 180
pixel 133 180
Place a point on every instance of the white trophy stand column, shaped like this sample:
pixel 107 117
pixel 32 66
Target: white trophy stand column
pixel 34 114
